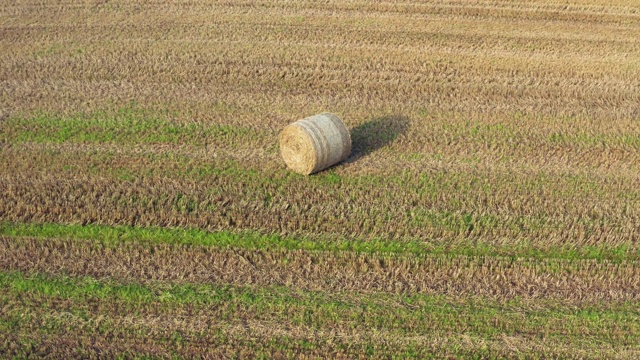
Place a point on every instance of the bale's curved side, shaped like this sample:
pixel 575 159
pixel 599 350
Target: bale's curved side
pixel 346 139
pixel 315 143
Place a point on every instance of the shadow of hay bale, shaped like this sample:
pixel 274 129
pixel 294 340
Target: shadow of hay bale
pixel 375 134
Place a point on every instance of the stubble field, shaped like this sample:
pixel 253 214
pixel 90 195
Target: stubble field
pixel 490 208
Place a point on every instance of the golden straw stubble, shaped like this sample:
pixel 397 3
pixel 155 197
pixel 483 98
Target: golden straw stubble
pixel 315 143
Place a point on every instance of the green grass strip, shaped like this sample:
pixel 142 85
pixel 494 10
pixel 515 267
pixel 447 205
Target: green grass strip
pixel 125 126
pixel 114 235
pixel 408 314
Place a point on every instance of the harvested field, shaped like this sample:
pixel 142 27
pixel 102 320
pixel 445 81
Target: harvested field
pixel 490 207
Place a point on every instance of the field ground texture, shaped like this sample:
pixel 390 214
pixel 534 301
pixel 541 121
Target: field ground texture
pixel 490 209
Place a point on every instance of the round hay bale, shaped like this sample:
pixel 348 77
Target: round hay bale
pixel 315 143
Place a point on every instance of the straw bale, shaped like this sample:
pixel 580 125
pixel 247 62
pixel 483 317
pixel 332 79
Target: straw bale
pixel 315 143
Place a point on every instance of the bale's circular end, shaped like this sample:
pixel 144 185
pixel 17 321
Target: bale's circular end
pixel 298 150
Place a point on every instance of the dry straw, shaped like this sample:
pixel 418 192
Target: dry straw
pixel 315 143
